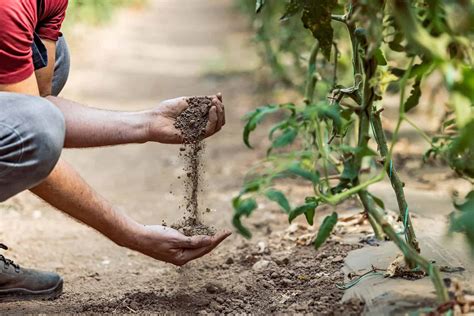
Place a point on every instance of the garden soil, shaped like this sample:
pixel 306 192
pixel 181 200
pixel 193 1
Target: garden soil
pixel 192 126
pixel 169 50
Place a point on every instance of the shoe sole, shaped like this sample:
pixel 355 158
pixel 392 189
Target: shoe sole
pixel 13 295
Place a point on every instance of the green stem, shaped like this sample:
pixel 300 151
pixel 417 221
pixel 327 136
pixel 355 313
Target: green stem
pixel 419 130
pixel 378 231
pixel 407 251
pixel 397 184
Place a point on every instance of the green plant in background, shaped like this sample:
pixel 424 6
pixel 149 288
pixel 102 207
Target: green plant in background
pixel 95 11
pixel 334 137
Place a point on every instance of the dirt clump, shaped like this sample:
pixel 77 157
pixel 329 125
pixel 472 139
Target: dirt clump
pixel 192 124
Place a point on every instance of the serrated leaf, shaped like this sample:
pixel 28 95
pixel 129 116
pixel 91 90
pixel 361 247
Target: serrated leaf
pixel 259 5
pixel 317 18
pixel 286 138
pixel 415 95
pixel 303 209
pixel 325 230
pixel 293 7
pixel 278 197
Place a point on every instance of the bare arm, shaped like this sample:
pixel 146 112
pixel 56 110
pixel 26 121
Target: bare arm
pixel 67 191
pixel 91 127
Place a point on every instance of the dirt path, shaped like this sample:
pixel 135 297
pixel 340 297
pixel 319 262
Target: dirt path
pixel 141 58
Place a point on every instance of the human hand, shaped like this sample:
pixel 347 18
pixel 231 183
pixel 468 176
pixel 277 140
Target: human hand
pixel 161 127
pixel 169 245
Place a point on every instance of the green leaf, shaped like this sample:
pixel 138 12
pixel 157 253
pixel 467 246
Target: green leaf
pixel 241 228
pixel 349 172
pixel 415 95
pixel 468 205
pixel 251 186
pixel 460 152
pixel 243 207
pixel 303 209
pixel 279 126
pixel 380 57
pixel 310 216
pixel 462 221
pixel 286 138
pixel 293 7
pixel 325 230
pixel 317 18
pixel 254 118
pixel 278 197
pixel 259 5
pixel 308 175
pixel 378 201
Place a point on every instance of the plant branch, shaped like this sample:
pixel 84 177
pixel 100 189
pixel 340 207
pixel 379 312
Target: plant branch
pixel 407 251
pixel 397 184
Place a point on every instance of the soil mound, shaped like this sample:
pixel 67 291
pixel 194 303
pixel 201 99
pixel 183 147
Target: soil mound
pixel 192 125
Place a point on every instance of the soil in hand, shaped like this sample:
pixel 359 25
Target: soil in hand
pixel 192 124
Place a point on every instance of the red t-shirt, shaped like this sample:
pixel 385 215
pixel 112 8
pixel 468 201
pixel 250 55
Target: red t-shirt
pixel 19 20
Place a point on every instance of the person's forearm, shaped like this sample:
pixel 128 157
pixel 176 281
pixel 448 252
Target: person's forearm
pixel 90 127
pixel 67 191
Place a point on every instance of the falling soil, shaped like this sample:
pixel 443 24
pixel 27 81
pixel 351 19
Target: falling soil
pixel 192 125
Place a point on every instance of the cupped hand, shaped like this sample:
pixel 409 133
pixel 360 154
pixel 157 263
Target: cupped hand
pixel 162 129
pixel 169 245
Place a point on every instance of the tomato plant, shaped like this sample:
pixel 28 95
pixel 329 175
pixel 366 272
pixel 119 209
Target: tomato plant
pixel 354 50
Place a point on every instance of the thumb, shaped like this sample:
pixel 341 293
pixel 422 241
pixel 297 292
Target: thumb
pixel 212 122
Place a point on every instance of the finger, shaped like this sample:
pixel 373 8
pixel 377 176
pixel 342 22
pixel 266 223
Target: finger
pixel 220 115
pixel 212 122
pixel 191 254
pixel 221 105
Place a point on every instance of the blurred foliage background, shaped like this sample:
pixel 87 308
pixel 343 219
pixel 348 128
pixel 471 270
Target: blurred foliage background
pixel 96 11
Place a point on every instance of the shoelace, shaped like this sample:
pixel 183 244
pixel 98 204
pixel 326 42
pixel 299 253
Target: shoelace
pixel 6 261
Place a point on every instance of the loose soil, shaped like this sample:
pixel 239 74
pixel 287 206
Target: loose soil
pixel 192 125
pixel 272 280
pixel 258 276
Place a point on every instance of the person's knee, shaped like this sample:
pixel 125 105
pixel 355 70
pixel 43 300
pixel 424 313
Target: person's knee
pixel 45 139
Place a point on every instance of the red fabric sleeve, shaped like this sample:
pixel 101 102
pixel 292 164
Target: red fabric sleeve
pixel 51 18
pixel 17 23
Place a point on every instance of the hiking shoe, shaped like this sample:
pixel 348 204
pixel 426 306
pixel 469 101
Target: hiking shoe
pixel 26 284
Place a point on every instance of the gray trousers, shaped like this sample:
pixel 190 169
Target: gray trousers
pixel 32 131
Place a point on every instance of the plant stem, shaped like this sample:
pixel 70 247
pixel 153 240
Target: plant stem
pixel 375 226
pixel 312 78
pixel 397 184
pixel 407 251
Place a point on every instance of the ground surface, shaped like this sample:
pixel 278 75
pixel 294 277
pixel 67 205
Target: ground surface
pixel 139 59
pixel 164 51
